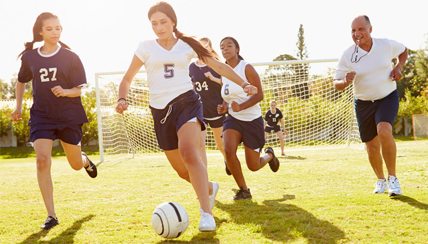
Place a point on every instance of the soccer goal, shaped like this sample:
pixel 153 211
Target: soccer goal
pixel 420 126
pixel 316 116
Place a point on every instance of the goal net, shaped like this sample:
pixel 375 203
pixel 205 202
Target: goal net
pixel 420 126
pixel 315 114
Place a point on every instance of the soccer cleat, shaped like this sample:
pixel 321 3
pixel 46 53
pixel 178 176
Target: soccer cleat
pixel 274 162
pixel 380 186
pixel 91 169
pixel 227 169
pixel 207 222
pixel 394 187
pixel 243 194
pixel 50 222
pixel 212 196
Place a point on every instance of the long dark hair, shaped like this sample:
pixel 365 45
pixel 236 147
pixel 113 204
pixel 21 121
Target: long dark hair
pixel 37 28
pixel 167 9
pixel 236 45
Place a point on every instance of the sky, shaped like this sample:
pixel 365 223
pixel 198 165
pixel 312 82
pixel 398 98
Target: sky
pixel 105 33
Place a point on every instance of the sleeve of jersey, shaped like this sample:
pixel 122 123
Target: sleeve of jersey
pixel 396 48
pixel 25 74
pixel 77 74
pixel 342 68
pixel 140 52
pixel 280 115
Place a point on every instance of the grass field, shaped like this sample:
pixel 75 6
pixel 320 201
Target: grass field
pixel 322 196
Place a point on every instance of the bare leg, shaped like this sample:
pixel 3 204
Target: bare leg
pixel 188 146
pixel 202 150
pixel 375 158
pixel 218 140
pixel 389 149
pixel 254 161
pixel 281 141
pixel 231 139
pixel 74 156
pixel 43 149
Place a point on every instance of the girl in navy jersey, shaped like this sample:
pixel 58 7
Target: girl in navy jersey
pixel 175 106
pixel 272 117
pixel 207 83
pixel 57 76
pixel 244 122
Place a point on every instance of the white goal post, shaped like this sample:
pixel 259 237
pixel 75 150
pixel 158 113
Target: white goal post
pixel 420 126
pixel 315 114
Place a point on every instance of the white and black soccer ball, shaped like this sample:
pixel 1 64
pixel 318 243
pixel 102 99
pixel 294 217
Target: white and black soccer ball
pixel 170 220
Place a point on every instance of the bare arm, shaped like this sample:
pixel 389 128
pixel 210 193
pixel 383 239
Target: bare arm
pixel 396 72
pixel 283 126
pixel 254 80
pixel 342 84
pixel 73 92
pixel 20 90
pixel 226 71
pixel 133 69
pixel 212 77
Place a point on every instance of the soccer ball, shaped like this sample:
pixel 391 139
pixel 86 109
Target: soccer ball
pixel 170 220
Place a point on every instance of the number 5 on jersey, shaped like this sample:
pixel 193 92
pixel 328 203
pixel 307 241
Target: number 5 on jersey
pixel 44 74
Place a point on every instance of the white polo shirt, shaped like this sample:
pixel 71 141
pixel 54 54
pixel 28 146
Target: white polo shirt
pixel 372 80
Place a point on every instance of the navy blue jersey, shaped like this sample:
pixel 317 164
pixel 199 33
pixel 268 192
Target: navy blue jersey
pixel 63 68
pixel 210 91
pixel 273 119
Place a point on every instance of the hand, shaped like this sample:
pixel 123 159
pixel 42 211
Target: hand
pixel 121 106
pixel 395 74
pixel 58 91
pixel 350 77
pixel 250 90
pixel 286 132
pixel 235 106
pixel 16 115
pixel 209 75
pixel 221 109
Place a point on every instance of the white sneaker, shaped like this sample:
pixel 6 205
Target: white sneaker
pixel 380 186
pixel 394 186
pixel 212 196
pixel 207 222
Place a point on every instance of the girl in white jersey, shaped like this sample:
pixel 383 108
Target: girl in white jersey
pixel 57 75
pixel 244 122
pixel 176 108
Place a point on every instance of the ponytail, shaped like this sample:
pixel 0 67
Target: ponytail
pixel 37 28
pixel 202 52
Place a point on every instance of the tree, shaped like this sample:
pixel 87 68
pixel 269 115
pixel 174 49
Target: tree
pixel 90 129
pixel 4 90
pixel 302 52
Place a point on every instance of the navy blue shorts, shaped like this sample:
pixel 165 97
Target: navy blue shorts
pixel 275 128
pixel 169 120
pixel 252 131
pixel 370 113
pixel 71 134
pixel 217 122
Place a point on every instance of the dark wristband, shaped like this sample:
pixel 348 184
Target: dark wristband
pixel 124 99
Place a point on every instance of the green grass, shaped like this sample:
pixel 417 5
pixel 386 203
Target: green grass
pixel 320 196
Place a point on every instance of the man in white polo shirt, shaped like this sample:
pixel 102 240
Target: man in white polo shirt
pixel 368 65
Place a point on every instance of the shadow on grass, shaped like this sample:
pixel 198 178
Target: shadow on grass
pixel 292 157
pixel 201 237
pixel 411 201
pixel 28 152
pixel 66 236
pixel 282 222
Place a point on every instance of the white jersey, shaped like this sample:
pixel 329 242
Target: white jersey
pixel 230 91
pixel 167 71
pixel 372 80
